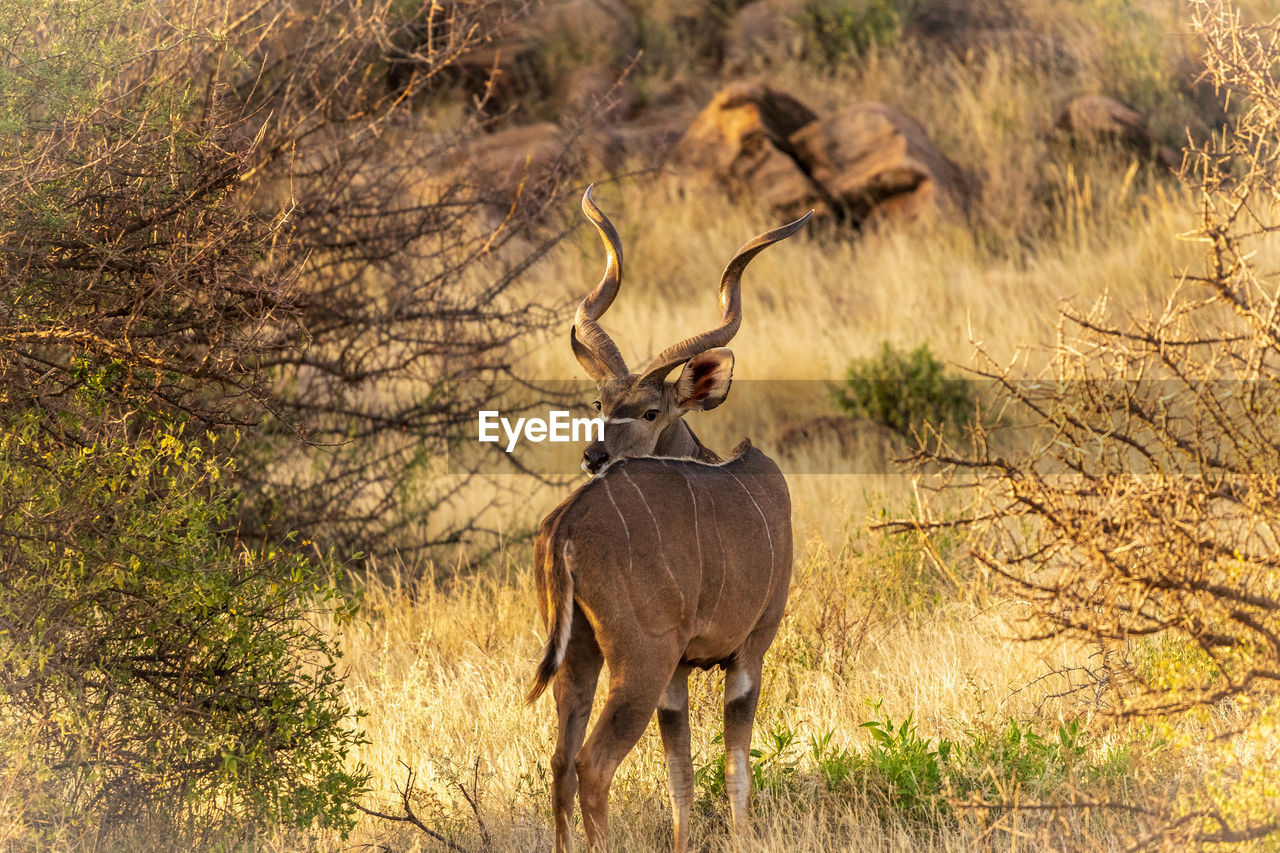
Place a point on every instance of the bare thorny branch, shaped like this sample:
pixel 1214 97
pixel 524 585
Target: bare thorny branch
pixel 408 790
pixel 407 814
pixel 1132 496
pixel 288 247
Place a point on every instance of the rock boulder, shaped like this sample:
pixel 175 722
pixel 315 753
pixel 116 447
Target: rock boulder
pixel 876 162
pixel 1099 118
pixel 862 164
pixel 739 141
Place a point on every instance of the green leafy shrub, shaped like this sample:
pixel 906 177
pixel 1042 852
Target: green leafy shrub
pixel 773 766
pixel 916 778
pixel 1020 757
pixel 834 763
pixel 837 31
pixel 780 765
pixel 708 779
pixel 904 391
pixel 919 777
pixel 910 768
pixel 159 241
pixel 150 668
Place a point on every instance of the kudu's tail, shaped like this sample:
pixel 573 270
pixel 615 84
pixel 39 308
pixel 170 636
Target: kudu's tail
pixel 558 577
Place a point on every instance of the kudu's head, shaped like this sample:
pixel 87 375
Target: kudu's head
pixel 643 412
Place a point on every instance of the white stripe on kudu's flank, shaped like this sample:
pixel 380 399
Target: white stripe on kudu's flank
pixel 724 563
pixel 767 533
pixel 768 596
pixel 697 536
pixel 566 607
pixel 657 529
pixel 623 519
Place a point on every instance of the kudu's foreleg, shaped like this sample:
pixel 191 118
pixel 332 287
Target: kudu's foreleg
pixel 574 688
pixel 634 692
pixel 673 723
pixel 741 693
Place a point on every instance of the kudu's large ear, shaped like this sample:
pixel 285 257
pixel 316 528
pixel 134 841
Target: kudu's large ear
pixel 704 382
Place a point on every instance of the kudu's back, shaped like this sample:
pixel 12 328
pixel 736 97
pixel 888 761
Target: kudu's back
pixel 690 552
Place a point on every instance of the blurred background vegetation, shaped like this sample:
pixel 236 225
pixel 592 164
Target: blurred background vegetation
pixel 261 262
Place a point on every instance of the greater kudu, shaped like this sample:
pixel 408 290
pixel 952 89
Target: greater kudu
pixel 667 559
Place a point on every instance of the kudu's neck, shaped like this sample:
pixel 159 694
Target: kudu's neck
pixel 678 441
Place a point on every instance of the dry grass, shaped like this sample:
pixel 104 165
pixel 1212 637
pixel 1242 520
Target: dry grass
pixel 815 302
pixel 442 675
pixel 441 666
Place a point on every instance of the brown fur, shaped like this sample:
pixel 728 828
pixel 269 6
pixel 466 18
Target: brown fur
pixel 675 564
pixel 658 564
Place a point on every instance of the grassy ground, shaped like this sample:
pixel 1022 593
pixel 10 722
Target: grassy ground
pixel 442 675
pixel 879 628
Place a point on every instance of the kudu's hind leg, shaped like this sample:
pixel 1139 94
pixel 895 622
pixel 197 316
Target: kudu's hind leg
pixel 574 688
pixel 634 692
pixel 673 723
pixel 741 693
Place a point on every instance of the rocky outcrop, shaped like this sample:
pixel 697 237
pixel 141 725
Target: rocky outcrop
pixel 1099 118
pixel 735 118
pixel 862 164
pixel 740 140
pixel 875 162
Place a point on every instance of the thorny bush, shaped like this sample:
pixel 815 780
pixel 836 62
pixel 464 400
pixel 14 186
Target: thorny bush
pixel 233 213
pixel 149 667
pixel 1141 512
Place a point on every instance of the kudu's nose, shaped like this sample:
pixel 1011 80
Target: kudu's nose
pixel 593 459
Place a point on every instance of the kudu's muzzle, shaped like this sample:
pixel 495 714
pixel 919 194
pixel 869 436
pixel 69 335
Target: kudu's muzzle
pixel 594 457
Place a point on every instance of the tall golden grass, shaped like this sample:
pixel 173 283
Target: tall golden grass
pixel 442 675
pixel 441 667
pixel 441 659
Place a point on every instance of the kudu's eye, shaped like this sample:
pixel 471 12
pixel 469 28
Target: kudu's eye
pixel 597 405
pixel 650 415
